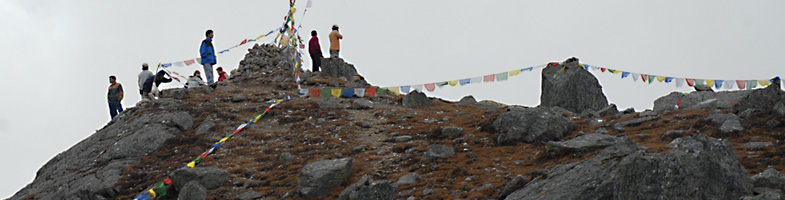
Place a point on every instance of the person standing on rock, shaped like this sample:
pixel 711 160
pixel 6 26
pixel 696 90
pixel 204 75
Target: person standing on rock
pixel 114 96
pixel 207 53
pixel 316 51
pixel 143 76
pixel 335 42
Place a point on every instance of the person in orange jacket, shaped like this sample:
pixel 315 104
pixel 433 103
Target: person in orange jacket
pixel 335 42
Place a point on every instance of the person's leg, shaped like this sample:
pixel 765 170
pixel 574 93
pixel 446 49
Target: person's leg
pixel 119 107
pixel 112 111
pixel 208 73
pixel 316 63
pixel 333 53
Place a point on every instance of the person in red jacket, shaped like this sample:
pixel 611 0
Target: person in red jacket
pixel 221 74
pixel 316 51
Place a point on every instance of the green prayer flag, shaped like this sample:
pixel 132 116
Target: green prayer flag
pixel 230 135
pixel 381 91
pixel 501 76
pixel 440 84
pixel 326 93
pixel 160 189
pixel 198 159
pixel 651 78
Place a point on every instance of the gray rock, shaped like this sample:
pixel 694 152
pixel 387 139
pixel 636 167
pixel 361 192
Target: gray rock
pixel 205 127
pixel 588 113
pixel 771 178
pixel 438 151
pixel 318 178
pixel 608 110
pixel 748 113
pixel 366 188
pixel 761 99
pixel 362 104
pixel 698 100
pixel 183 120
pixel 467 100
pixel 238 98
pixel 407 179
pixel 583 143
pixel 697 167
pixel 516 183
pixel 773 123
pixel 359 149
pixel 489 105
pixel 250 195
pixel 635 122
pixel 451 131
pixel 192 191
pixel 403 138
pixel 286 157
pixel 427 192
pixel 329 103
pixel 629 110
pixel 176 93
pixel 779 108
pixel 209 177
pixel 416 99
pixel 731 126
pixel 531 125
pixel 719 118
pixel 766 195
pixel 672 134
pixel 573 88
pixel 757 145
pixel 337 67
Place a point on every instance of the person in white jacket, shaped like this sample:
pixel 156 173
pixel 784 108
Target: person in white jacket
pixel 195 80
pixel 143 76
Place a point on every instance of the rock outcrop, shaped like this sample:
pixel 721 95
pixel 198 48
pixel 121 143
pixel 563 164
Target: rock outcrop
pixel 761 99
pixel 366 188
pixel 571 87
pixel 318 178
pixel 698 100
pixel 531 125
pixel 698 167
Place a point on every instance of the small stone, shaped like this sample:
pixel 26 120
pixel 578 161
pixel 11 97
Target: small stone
pixel 403 138
pixel 238 98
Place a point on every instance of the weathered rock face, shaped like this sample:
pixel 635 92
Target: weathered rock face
pixel 366 188
pixel 318 178
pixel 415 99
pixel 192 191
pixel 92 168
pixel 761 99
pixel 698 100
pixel 771 178
pixel 531 125
pixel 572 88
pixel 438 151
pixel 698 167
pixel 336 67
pixel 209 177
pixel 582 143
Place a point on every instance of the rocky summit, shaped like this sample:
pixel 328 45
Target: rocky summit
pixel 716 145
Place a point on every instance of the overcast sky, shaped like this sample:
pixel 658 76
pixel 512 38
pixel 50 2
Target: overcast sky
pixel 56 55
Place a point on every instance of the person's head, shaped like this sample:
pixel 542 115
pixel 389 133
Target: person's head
pixel 197 73
pixel 313 32
pixel 145 67
pixel 335 27
pixel 112 79
pixel 219 69
pixel 209 33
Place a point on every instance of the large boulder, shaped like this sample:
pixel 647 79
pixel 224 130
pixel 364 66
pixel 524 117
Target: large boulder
pixel 580 144
pixel 318 178
pixel 209 177
pixel 771 178
pixel 531 125
pixel 192 191
pixel 699 100
pixel 366 188
pixel 438 151
pixel 337 67
pixel 697 167
pixel 571 87
pixel 761 99
pixel 415 99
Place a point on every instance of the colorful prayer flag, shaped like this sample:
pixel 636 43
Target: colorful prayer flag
pixel 718 83
pixel 635 77
pixel 764 82
pixel 690 82
pixel 189 62
pixel 729 84
pixel 476 80
pixel 326 93
pixel 651 78
pixel 440 84
pixel 165 65
pixel 741 83
pixel 347 93
pixel 700 82
pixel 501 76
pixel 405 89
pixel 417 88
pixel 395 90
pixel 360 92
pixel 528 69
pixel 710 83
pixel 660 78
pixel 514 72
pixel 625 74
pixel 679 82
pixel 602 69
pixel 370 91
pixel 336 92
pixel 453 83
pixel 463 81
pixel 668 79
pixel 430 87
pixel 751 84
pixel 489 78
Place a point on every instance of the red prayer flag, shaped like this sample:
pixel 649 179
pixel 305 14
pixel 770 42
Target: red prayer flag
pixel 690 82
pixel 602 69
pixel 244 41
pixel 430 87
pixel 371 92
pixel 168 181
pixel 553 64
pixel 315 92
pixel 204 155
pixel 741 83
pixel 644 77
pixel 189 62
pixel 489 78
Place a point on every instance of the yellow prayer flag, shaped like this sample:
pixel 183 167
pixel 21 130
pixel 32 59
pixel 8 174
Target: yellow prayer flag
pixel 257 118
pixel 581 64
pixel 453 83
pixel 659 78
pixel 336 92
pixel 224 139
pixel 764 82
pixel 191 164
pixel 619 72
pixel 395 90
pixel 151 191
pixel 710 83
pixel 279 101
pixel 511 73
pixel 260 37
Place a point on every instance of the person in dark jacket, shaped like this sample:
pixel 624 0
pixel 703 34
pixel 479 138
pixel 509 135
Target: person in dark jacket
pixel 114 96
pixel 315 51
pixel 207 53
pixel 159 78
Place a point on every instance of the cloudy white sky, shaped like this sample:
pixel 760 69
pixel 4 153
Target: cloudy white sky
pixel 56 55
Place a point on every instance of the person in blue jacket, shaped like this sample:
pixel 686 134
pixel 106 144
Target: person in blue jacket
pixel 208 57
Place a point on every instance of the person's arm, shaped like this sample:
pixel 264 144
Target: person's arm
pixel 120 94
pixel 340 36
pixel 203 50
